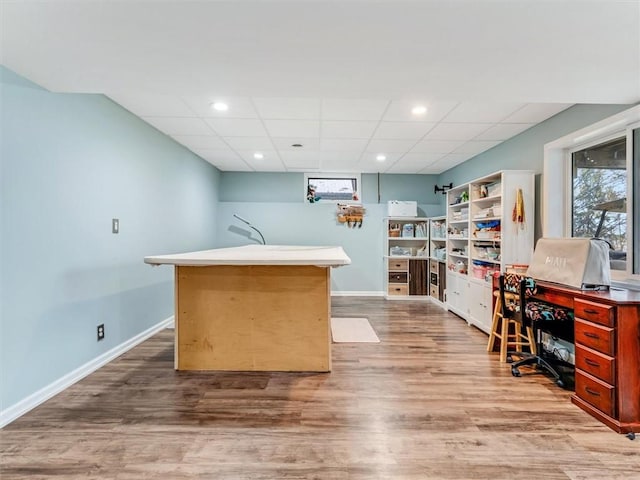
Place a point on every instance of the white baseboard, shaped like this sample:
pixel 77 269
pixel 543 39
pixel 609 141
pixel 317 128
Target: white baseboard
pixel 16 410
pixel 363 293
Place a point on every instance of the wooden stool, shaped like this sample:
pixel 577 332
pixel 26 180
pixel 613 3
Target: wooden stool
pixel 508 331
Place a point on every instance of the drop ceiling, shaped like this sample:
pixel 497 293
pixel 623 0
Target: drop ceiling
pixel 339 78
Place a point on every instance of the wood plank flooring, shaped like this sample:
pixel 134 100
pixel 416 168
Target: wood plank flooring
pixel 427 402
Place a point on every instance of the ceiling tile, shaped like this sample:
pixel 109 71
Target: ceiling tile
pixel 475 147
pixel 179 125
pixel 457 131
pixel 270 162
pixel 431 170
pixel 436 146
pixel 293 128
pixel 285 143
pixel 231 166
pixel 344 129
pixel 403 130
pixel 301 160
pixel 390 146
pixel 400 167
pixel 390 156
pixel 503 131
pixel 200 141
pixel 400 111
pixel 149 105
pixel 239 107
pixel 536 112
pixel 269 155
pixel 421 158
pixel 237 127
pixel 207 153
pixel 339 164
pixel 474 112
pixel 353 109
pixel 288 108
pixel 343 144
pixel 249 143
pixel 269 166
pixel 368 164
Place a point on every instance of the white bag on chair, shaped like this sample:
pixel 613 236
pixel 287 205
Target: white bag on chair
pixel 576 262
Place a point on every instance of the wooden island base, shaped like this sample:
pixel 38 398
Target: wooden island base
pixel 253 318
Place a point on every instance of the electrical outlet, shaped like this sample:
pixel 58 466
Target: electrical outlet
pixel 101 332
pixel 115 225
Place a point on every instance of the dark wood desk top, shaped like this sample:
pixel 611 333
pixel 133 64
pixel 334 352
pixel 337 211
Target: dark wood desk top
pixel 561 295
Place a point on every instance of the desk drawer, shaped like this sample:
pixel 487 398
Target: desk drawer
pixel 595 336
pixel 599 394
pixel 398 289
pixel 398 277
pixel 596 364
pixel 595 312
pixel 398 265
pixel 556 298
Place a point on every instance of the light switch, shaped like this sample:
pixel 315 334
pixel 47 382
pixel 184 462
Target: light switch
pixel 115 225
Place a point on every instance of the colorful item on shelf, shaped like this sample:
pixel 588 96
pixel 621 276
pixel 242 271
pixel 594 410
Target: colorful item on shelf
pixel 518 209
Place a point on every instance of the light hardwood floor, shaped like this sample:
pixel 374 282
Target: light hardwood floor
pixel 428 402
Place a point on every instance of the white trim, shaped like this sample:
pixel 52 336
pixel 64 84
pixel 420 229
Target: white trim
pixel 557 170
pixel 356 293
pixel 18 409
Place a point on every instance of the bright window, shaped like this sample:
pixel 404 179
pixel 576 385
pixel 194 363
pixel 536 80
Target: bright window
pixel 338 188
pixel 599 196
pixel 591 188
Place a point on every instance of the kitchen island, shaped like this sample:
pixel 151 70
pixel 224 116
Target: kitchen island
pixel 253 308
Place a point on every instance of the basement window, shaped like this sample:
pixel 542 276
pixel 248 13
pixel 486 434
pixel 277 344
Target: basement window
pixel 333 188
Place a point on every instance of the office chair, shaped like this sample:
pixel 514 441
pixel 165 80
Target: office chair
pixel 539 317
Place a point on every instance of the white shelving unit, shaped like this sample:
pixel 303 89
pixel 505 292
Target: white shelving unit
pixel 483 237
pixel 406 247
pixel 438 258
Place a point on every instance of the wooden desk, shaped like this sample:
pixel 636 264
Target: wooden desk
pixel 607 355
pixel 253 308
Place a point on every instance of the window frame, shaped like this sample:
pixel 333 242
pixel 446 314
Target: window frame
pixel 557 185
pixel 352 176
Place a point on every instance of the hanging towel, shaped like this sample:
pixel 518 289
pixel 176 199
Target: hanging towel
pixel 518 209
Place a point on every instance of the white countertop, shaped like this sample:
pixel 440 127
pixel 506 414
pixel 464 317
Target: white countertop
pixel 257 255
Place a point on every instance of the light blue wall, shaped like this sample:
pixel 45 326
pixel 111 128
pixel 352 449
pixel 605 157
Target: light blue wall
pixel 70 163
pixel 526 150
pixel 274 204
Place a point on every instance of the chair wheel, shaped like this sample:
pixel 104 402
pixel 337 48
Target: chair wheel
pixel 509 359
pixel 515 372
pixel 631 436
pixel 560 383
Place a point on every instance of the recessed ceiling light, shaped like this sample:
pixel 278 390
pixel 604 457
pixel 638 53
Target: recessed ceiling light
pixel 297 145
pixel 220 106
pixel 381 158
pixel 419 110
pixel 258 156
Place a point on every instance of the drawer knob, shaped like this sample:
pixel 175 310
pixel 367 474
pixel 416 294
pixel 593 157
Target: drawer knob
pixel 593 312
pixel 588 361
pixel 591 335
pixel 592 392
